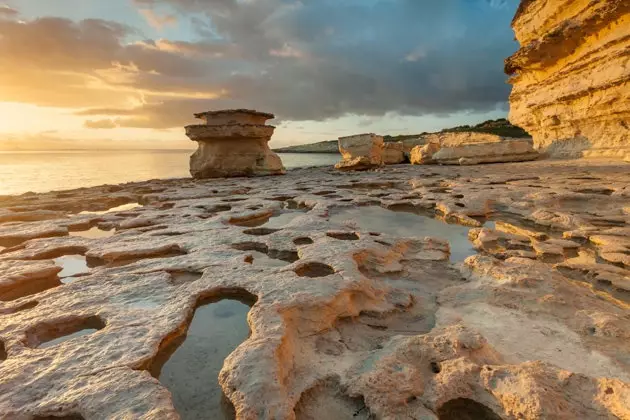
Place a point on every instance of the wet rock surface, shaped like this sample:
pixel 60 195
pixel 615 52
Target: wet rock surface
pixel 517 308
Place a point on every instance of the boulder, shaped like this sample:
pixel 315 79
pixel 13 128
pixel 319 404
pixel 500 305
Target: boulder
pixel 471 148
pixel 421 155
pixel 233 143
pixel 518 150
pixel 394 153
pixel 571 77
pixel 361 152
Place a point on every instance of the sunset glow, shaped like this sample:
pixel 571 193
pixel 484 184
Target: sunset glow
pixel 135 71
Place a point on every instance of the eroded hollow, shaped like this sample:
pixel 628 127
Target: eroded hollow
pixel 132 257
pixel 314 269
pixel 19 308
pixel 260 231
pixel 93 233
pixel 72 266
pixel 465 409
pixel 123 207
pixel 261 252
pixel 343 236
pixel 68 417
pixel 3 352
pixel 184 277
pixel 46 335
pixel 28 288
pixel 189 365
pixel 303 241
pixel 329 400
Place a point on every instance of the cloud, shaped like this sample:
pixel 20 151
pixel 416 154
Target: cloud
pixel 100 124
pixel 158 21
pixel 7 12
pixel 307 60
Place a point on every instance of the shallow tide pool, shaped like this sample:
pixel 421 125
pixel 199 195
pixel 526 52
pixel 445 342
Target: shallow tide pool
pixel 190 366
pixel 405 225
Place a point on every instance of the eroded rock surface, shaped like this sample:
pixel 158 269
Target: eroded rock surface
pixel 571 76
pixel 233 143
pixel 346 321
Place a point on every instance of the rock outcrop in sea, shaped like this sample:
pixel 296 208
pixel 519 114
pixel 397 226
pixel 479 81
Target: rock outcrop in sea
pixel 233 143
pixel 571 76
pixel 360 152
pixel 468 148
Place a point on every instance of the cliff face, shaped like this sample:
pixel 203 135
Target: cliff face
pixel 571 76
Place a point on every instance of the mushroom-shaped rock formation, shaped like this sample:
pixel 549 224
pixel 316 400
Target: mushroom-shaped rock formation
pixel 360 152
pixel 233 143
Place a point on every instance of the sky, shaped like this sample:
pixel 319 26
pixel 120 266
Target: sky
pixel 130 73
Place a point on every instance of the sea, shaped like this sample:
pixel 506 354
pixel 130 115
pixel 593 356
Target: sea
pixel 43 171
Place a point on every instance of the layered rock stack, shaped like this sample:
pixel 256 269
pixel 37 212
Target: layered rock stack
pixel 469 148
pixel 233 143
pixel 360 152
pixel 571 76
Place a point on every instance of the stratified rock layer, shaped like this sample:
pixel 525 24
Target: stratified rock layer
pixel 571 76
pixel 352 319
pixel 469 148
pixel 360 152
pixel 394 153
pixel 233 143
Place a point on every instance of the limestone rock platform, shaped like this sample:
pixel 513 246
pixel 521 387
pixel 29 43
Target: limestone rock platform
pixel 406 292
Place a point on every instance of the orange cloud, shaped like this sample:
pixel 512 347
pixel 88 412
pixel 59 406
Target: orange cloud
pixel 100 124
pixel 156 20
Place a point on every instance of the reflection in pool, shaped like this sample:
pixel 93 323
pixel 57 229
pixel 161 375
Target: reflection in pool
pixel 189 367
pixel 378 219
pixel 93 233
pixel 72 265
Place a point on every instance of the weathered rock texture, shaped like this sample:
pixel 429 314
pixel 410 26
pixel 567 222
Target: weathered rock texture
pixel 470 148
pixel 571 76
pixel 233 143
pixel 354 323
pixel 361 152
pixel 393 153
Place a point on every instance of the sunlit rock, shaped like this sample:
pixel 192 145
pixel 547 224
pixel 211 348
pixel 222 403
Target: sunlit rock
pixel 571 76
pixel 360 152
pixel 233 143
pixel 471 148
pixel 394 153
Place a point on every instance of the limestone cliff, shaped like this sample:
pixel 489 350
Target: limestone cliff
pixel 571 76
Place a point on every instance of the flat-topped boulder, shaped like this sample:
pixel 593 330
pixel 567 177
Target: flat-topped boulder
pixel 360 152
pixel 471 148
pixel 233 143
pixel 234 117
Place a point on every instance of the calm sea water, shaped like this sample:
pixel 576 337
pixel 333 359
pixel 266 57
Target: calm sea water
pixel 61 170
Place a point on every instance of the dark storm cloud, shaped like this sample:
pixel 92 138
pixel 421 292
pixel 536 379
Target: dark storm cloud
pixel 325 58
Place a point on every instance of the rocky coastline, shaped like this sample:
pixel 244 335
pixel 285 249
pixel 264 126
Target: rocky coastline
pixel 350 317
pixel 444 289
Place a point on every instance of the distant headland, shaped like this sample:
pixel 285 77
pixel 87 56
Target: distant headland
pixel 500 127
